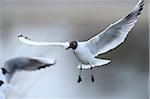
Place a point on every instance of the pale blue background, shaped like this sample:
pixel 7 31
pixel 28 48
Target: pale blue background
pixel 49 20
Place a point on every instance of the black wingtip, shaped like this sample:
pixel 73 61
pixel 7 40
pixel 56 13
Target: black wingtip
pixel 20 35
pixel 44 66
pixel 24 37
pixel 136 11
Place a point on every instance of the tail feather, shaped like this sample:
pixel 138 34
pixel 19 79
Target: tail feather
pixel 99 63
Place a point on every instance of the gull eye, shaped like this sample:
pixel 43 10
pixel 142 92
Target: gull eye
pixel 1 82
pixel 74 44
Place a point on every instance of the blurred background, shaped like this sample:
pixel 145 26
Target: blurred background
pixel 126 77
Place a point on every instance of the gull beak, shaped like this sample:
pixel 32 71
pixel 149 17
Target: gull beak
pixel 68 48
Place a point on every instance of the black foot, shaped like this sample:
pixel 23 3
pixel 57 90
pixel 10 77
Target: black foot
pixel 79 79
pixel 92 78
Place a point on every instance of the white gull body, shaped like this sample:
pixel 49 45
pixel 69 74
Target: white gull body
pixel 114 35
pixel 87 59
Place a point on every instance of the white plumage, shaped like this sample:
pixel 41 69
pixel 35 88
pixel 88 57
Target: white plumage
pixel 110 38
pixel 13 65
pixel 116 33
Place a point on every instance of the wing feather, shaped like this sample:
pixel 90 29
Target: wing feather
pixel 28 41
pixel 25 63
pixel 116 33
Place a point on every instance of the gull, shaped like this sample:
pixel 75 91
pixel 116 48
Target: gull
pixel 13 65
pixel 87 51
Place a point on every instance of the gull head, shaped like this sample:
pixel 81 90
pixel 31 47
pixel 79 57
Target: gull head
pixel 3 85
pixel 2 78
pixel 73 45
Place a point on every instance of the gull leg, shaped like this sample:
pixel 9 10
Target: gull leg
pixel 92 77
pixel 79 77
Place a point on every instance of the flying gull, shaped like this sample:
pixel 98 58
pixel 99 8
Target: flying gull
pixel 86 51
pixel 13 65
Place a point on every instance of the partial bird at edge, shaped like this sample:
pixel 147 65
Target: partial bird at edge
pixel 13 65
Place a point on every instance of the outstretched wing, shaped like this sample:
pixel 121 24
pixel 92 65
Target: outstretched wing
pixel 28 41
pixel 116 33
pixel 25 63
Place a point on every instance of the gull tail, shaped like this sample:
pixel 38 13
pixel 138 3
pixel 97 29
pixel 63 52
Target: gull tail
pixel 99 63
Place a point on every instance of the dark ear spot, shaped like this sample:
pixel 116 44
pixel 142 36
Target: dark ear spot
pixel 73 44
pixel 1 82
pixel 4 71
